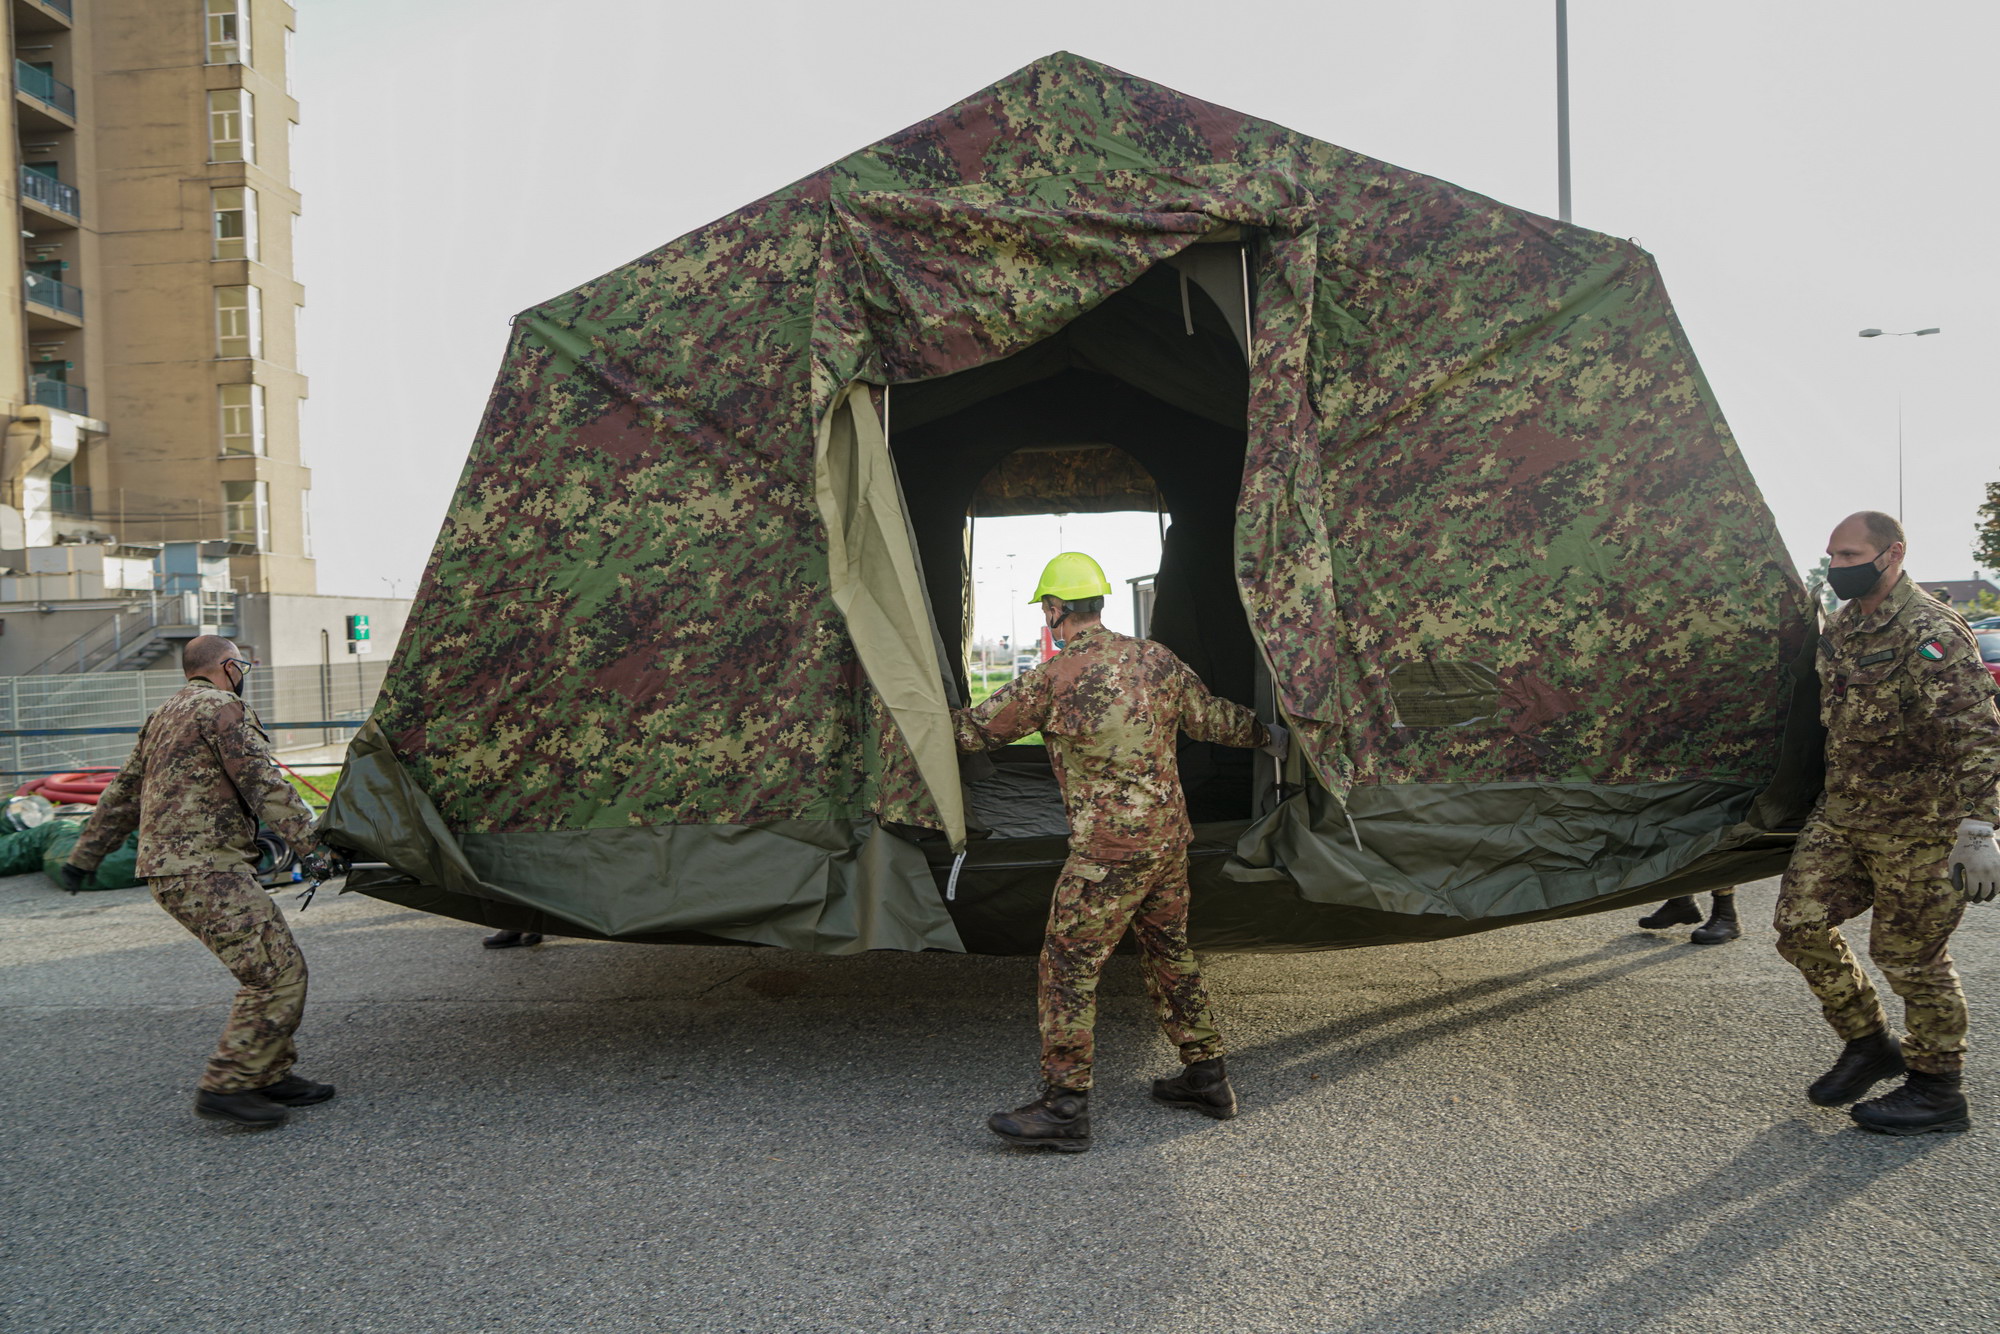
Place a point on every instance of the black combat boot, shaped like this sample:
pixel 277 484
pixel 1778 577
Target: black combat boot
pixel 507 940
pixel 1721 924
pixel 1923 1103
pixel 243 1109
pixel 1863 1063
pixel 1674 912
pixel 1059 1120
pixel 296 1091
pixel 1203 1086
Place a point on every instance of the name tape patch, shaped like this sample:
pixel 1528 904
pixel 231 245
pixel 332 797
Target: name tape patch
pixel 1931 650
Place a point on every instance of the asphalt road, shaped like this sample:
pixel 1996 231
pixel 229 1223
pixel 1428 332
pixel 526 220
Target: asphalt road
pixel 1568 1127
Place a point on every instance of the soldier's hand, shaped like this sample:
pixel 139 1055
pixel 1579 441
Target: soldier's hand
pixel 320 865
pixel 74 878
pixel 1280 743
pixel 1975 861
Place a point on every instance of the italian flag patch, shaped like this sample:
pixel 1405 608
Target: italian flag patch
pixel 1931 650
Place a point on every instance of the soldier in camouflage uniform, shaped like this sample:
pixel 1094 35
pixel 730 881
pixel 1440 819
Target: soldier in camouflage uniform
pixel 1912 754
pixel 196 787
pixel 1110 709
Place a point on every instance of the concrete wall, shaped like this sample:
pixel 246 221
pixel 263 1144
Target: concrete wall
pixel 28 635
pixel 284 628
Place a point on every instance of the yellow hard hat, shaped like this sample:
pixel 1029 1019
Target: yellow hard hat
pixel 1072 576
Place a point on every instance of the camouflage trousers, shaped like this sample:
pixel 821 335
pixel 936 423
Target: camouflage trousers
pixel 229 912
pixel 1836 874
pixel 1095 902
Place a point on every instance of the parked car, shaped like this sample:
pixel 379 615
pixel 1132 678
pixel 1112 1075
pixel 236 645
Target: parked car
pixel 1986 623
pixel 1989 651
pixel 1025 662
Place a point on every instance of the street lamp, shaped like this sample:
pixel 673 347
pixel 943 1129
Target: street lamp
pixel 1898 333
pixel 1013 616
pixel 1562 109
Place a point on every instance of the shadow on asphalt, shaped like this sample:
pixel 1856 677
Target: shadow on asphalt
pixel 1785 1181
pixel 1327 1046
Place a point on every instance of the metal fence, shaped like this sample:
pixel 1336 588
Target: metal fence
pixel 53 393
pixel 341 692
pixel 50 192
pixel 54 293
pixel 45 87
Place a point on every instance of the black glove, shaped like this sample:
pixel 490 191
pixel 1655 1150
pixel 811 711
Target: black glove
pixel 74 877
pixel 321 865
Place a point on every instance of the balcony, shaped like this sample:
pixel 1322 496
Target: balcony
pixel 73 501
pixel 59 394
pixel 51 194
pixel 45 88
pixel 44 15
pixel 55 295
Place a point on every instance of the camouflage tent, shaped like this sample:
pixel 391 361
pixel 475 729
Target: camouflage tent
pixel 1448 491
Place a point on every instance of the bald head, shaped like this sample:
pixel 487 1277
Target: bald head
pixel 203 654
pixel 1883 529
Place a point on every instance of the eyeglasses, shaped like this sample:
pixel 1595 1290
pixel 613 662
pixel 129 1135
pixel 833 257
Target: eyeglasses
pixel 246 666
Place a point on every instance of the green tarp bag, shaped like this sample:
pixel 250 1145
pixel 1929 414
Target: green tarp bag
pixel 56 838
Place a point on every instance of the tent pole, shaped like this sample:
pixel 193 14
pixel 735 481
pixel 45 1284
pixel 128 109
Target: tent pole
pixel 1243 255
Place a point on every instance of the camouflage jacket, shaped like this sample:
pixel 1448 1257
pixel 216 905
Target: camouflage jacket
pixel 1110 708
pixel 1912 733
pixel 197 785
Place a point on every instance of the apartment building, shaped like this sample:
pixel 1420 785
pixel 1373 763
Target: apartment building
pixel 149 368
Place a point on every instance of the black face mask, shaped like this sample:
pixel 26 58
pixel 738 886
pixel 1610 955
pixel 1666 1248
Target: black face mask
pixel 1849 582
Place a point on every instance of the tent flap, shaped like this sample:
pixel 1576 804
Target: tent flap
pixel 872 567
pixel 830 886
pixel 1489 850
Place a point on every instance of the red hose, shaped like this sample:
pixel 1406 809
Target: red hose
pixel 303 779
pixel 82 787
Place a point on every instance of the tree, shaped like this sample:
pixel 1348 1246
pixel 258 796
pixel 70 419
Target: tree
pixel 1819 589
pixel 1986 533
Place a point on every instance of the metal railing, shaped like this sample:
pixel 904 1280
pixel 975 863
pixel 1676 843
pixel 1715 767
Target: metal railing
pixel 45 88
pixel 59 394
pixel 54 293
pixel 120 701
pixel 50 193
pixel 107 643
pixel 73 501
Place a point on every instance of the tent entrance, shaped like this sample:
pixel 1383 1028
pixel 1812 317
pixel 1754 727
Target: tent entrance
pixel 1139 404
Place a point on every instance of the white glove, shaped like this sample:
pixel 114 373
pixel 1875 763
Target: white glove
pixel 1975 861
pixel 1280 743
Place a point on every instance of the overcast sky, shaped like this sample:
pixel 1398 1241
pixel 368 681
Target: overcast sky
pixel 1801 171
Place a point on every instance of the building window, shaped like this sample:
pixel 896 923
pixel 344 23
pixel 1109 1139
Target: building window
pixel 230 137
pixel 242 418
pixel 306 522
pixel 235 223
pixel 239 322
pixel 289 35
pixel 246 513
pixel 228 32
